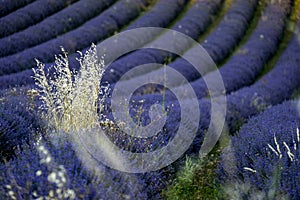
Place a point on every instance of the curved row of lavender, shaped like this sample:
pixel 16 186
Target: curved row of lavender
pixel 230 30
pixel 61 22
pixel 278 85
pixel 172 7
pixel 193 24
pixel 30 15
pixel 266 152
pixel 162 6
pixel 273 88
pixel 7 6
pixel 246 64
pixel 239 15
pixel 193 14
pixel 97 29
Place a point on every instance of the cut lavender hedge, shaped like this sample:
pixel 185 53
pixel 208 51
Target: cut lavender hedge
pixel 160 15
pixel 239 15
pixel 224 38
pixel 193 24
pixel 7 6
pixel 230 30
pixel 268 145
pixel 30 15
pixel 245 65
pixel 168 6
pixel 275 87
pixel 53 26
pixel 271 89
pixel 31 169
pixel 93 31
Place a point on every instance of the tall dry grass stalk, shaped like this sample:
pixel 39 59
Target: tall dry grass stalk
pixel 70 99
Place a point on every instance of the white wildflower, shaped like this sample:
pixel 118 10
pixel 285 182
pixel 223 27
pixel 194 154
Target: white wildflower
pixel 278 147
pixel 51 193
pixel 34 193
pixel 41 148
pixel 70 193
pixel 38 173
pixel 52 177
pixel 273 149
pixel 250 169
pixel 8 186
pixel 289 153
pixel 298 135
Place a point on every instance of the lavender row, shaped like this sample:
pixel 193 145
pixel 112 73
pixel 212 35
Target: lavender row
pixel 17 123
pixel 30 15
pixel 239 16
pixel 53 26
pixel 94 30
pixel 162 13
pixel 161 6
pixel 193 24
pixel 258 98
pixel 221 42
pixel 246 64
pixel 259 92
pixel 252 150
pixel 128 41
pixel 205 12
pixel 276 86
pixel 7 6
pixel 273 88
pixel 226 36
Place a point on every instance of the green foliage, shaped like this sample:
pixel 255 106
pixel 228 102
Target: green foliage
pixel 197 180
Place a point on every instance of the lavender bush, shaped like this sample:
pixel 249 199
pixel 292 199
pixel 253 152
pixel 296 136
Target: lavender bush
pixel 266 151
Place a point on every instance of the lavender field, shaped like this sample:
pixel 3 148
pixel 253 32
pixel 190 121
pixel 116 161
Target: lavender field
pixel 149 99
